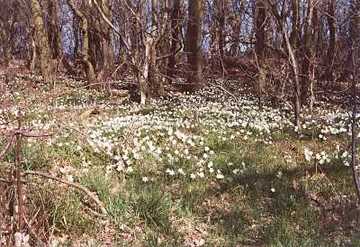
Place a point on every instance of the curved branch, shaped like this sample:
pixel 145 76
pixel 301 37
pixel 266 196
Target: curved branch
pixel 170 54
pixel 74 185
pixel 110 24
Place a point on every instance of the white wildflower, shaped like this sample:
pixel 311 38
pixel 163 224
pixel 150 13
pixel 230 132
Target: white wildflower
pixel 236 171
pixel 308 154
pixel 345 154
pixel 181 171
pixel 129 169
pixel 219 175
pixel 201 174
pixel 170 172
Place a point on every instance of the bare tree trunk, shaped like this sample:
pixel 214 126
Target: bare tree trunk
pixel 76 33
pixel 8 19
pixel 354 134
pixel 293 62
pixel 54 34
pixel 194 44
pixel 144 78
pixel 41 41
pixel 355 63
pixel 221 16
pixel 260 18
pixel 106 44
pixel 6 50
pixel 331 20
pixel 236 29
pixel 312 71
pixel 308 52
pixel 260 15
pixel 175 31
pixel 295 23
pixel 33 55
pixel 295 67
pixel 90 72
pixel 5 40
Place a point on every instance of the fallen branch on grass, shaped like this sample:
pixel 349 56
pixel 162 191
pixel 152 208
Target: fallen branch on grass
pixel 74 185
pixel 224 90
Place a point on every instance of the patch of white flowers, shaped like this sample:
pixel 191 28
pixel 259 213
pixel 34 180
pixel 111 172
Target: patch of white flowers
pixel 308 154
pixel 168 138
pixel 325 158
pixel 322 157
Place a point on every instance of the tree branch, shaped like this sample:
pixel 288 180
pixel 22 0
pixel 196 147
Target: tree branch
pixel 74 185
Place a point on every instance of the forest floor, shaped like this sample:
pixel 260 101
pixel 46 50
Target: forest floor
pixel 207 169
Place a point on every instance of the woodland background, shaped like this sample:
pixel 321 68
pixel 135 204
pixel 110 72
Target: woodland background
pixel 179 122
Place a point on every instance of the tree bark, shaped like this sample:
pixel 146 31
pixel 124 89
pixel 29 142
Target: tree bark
pixel 295 67
pixel 8 19
pixel 175 30
pixel 41 42
pixel 355 63
pixel 260 14
pixel 260 18
pixel 54 33
pixel 33 55
pixel 295 23
pixel 106 44
pixel 221 19
pixel 308 52
pixel 331 21
pixel 90 72
pixel 193 37
pixel 293 62
pixel 144 77
pixel 4 38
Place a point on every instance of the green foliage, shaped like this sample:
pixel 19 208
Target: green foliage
pixel 117 207
pixel 284 231
pixel 153 207
pixel 68 214
pixel 96 181
pixel 168 175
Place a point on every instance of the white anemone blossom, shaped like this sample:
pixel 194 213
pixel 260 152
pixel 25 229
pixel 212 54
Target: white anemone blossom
pixel 308 154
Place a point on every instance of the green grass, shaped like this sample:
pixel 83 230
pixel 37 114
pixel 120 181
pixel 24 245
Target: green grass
pixel 269 201
pixel 153 207
pixel 67 215
pixel 241 209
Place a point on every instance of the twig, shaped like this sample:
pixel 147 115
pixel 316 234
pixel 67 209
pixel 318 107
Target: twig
pixel 108 22
pixel 32 233
pixel 74 185
pixel 117 68
pixel 223 89
pixel 170 54
pixel 17 173
pixel 24 132
pixel 5 181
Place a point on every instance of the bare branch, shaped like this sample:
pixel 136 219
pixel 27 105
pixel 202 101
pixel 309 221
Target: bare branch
pixel 74 185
